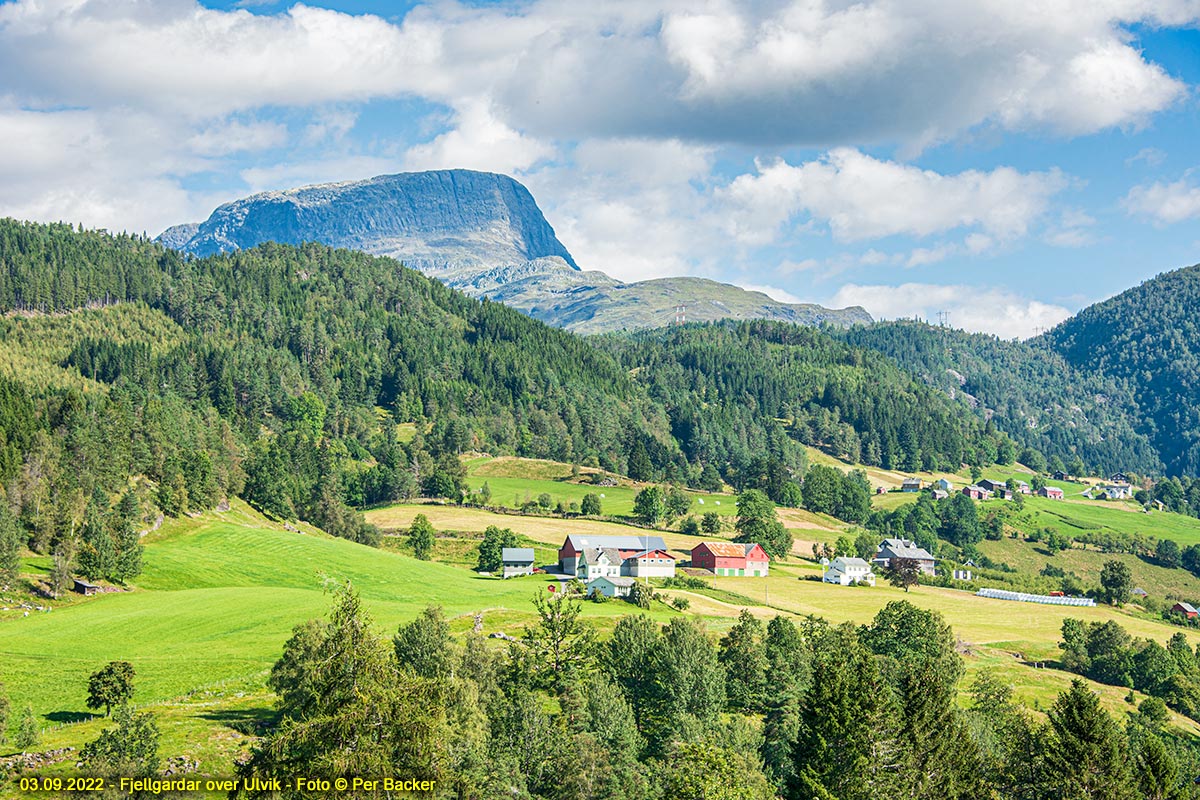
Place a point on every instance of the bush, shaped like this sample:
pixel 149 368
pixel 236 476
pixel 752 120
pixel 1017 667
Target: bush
pixel 681 603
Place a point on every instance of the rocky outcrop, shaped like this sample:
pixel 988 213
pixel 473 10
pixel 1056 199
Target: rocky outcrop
pixel 447 221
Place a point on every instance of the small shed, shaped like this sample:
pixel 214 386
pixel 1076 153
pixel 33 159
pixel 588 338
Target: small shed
pixel 85 588
pixel 1140 592
pixel 517 561
pixel 962 574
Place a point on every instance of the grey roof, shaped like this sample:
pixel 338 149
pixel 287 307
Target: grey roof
pixel 615 580
pixel 850 561
pixel 640 543
pixel 902 548
pixel 1187 607
pixel 522 554
pixel 592 554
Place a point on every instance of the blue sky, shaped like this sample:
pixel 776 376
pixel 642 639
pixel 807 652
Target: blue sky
pixel 1006 162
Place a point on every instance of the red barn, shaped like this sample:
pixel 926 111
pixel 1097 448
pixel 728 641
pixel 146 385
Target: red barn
pixel 730 558
pixel 1186 609
pixel 1052 492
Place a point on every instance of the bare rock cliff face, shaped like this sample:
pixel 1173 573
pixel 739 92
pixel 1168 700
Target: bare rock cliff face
pixel 483 234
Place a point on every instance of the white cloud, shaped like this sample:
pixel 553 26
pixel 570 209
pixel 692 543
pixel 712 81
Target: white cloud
pixel 930 255
pixel 785 73
pixel 861 197
pixel 635 209
pixel 1165 203
pixel 479 141
pixel 773 292
pixel 233 136
pixel 974 308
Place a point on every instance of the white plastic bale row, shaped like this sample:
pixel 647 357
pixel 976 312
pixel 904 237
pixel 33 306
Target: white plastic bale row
pixel 1001 594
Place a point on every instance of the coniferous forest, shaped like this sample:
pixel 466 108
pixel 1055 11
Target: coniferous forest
pixel 266 374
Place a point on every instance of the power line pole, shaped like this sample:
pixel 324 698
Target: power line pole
pixel 680 314
pixel 943 319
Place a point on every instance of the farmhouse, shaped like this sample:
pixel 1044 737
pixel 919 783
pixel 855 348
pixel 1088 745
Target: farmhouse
pixel 573 547
pixel 652 563
pixel 730 558
pixel 845 570
pixel 595 562
pixel 992 486
pixel 902 548
pixel 1186 609
pixel 943 485
pixel 1119 477
pixel 517 561
pixel 1052 492
pixel 1116 491
pixel 1059 475
pixel 911 485
pixel 977 492
pixel 616 586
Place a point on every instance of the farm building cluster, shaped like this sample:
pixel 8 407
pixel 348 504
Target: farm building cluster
pixel 987 489
pixel 847 570
pixel 611 564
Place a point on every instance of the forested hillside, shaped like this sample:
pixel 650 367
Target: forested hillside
pixel 1032 394
pixel 284 374
pixel 732 379
pixel 1149 337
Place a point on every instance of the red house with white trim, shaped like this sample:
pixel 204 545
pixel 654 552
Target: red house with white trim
pixel 731 558
pixel 1052 492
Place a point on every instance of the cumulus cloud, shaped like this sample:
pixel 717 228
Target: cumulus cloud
pixel 1165 203
pixel 783 73
pixel 634 208
pixel 479 141
pixel 988 310
pixel 773 292
pixel 861 197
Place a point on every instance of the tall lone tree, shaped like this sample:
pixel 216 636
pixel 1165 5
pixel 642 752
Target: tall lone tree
pixel 110 686
pixel 1117 580
pixel 420 537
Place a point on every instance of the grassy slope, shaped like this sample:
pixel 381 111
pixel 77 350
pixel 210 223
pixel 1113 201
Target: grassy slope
pixel 514 481
pixel 220 595
pixel 216 602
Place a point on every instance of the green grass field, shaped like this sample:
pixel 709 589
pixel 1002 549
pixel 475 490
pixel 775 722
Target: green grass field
pixel 516 481
pixel 221 593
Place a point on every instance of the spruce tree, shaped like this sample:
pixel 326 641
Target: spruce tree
pixel 1084 754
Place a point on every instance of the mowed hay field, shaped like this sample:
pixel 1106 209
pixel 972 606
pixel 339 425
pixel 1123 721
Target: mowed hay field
pixel 220 595
pixel 515 481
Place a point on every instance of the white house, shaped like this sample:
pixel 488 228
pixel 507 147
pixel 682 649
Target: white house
pixel 595 562
pixel 649 563
pixel 517 561
pixel 616 586
pixel 574 545
pixel 943 485
pixel 845 570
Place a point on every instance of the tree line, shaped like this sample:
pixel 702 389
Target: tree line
pixel 774 709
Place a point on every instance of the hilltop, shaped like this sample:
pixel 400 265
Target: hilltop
pixel 481 233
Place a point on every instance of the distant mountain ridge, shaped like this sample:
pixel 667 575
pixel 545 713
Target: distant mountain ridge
pixel 481 233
